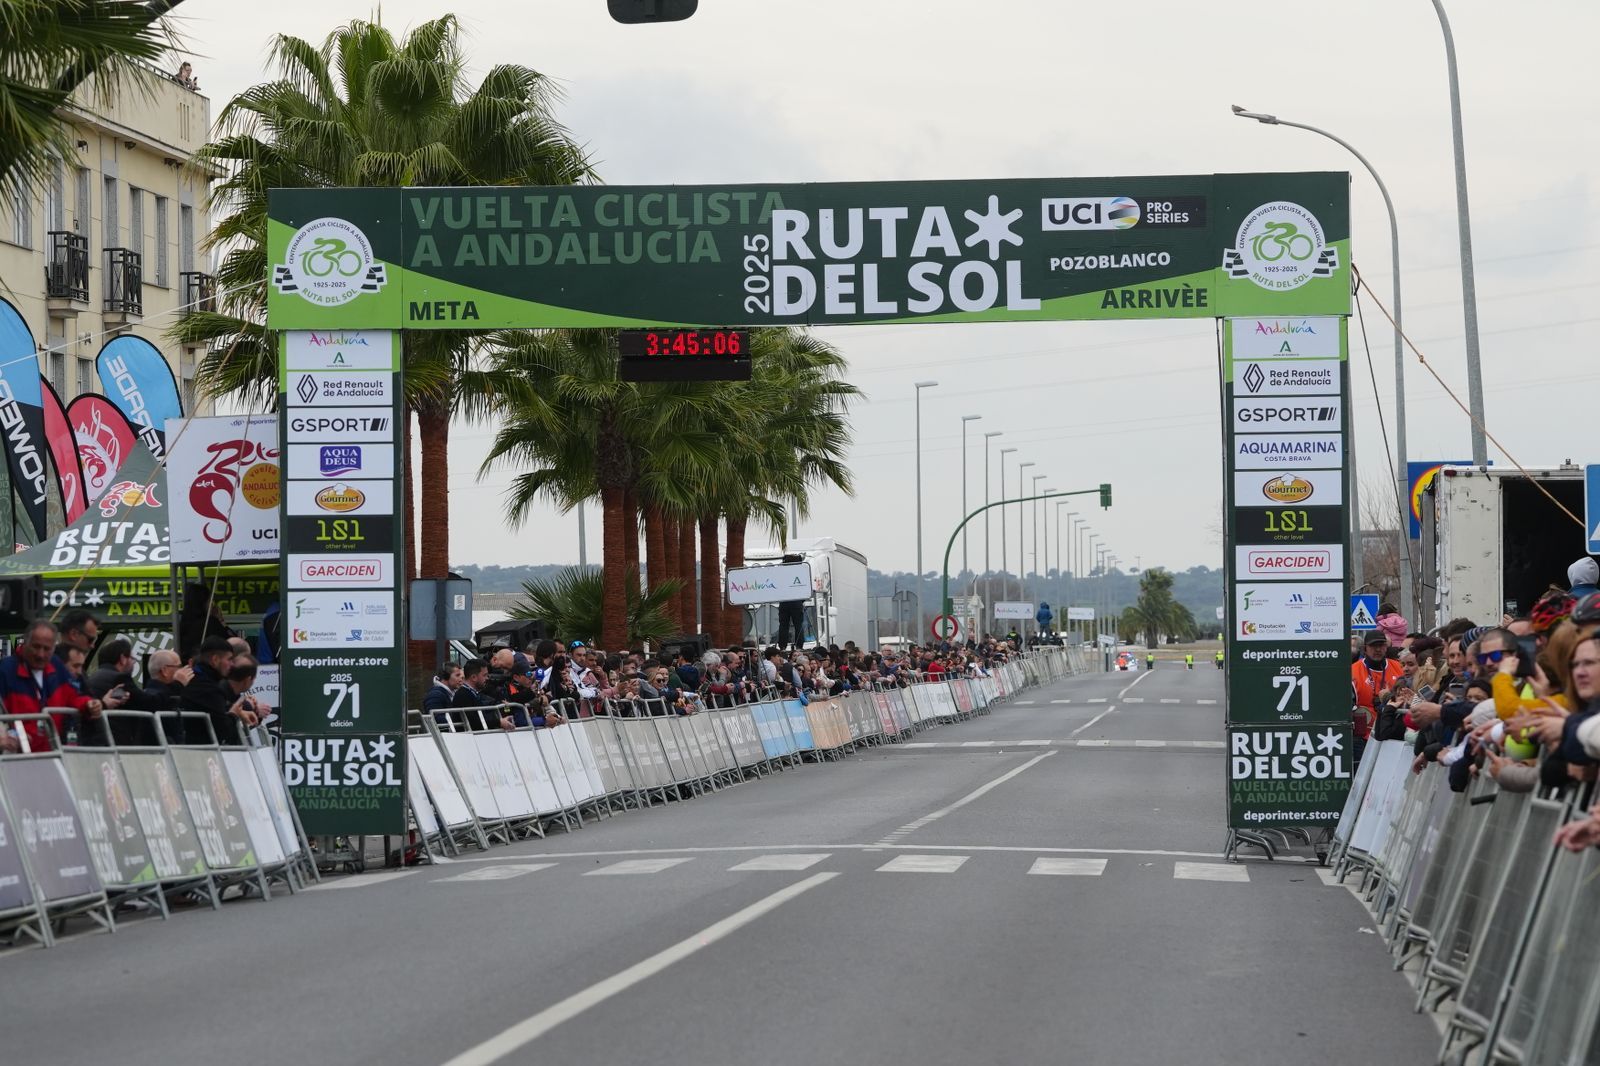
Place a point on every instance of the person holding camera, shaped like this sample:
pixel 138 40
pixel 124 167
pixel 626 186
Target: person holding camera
pixel 218 691
pixel 1371 676
pixel 506 686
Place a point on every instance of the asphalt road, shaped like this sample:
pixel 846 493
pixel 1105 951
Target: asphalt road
pixel 1038 886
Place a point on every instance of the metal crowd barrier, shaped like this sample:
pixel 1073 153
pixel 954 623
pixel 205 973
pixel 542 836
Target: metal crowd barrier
pixel 1502 925
pixel 111 825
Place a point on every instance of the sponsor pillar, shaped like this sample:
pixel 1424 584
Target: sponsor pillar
pixel 343 750
pixel 1286 398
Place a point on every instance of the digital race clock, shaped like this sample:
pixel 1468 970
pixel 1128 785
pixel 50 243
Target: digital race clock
pixel 684 354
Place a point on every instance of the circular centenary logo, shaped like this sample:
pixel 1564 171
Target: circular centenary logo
pixel 1280 246
pixel 329 262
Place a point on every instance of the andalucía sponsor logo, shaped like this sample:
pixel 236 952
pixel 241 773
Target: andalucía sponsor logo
pixel 329 262
pixel 1280 246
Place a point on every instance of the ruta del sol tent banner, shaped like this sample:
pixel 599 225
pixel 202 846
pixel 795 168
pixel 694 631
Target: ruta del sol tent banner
pixel 1050 249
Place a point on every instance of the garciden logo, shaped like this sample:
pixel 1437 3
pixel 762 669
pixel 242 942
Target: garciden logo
pixel 1268 563
pixel 329 262
pixel 1280 246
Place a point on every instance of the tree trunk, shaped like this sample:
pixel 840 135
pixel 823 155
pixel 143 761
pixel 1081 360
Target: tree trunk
pixel 433 427
pixel 710 580
pixel 686 597
pixel 630 531
pixel 655 545
pixel 613 553
pixel 733 617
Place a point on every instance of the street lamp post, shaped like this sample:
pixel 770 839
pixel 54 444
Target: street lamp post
pixel 1408 598
pixel 1003 564
pixel 964 420
pixel 987 499
pixel 921 618
pixel 1061 570
pixel 1022 558
pixel 1469 285
pixel 1033 523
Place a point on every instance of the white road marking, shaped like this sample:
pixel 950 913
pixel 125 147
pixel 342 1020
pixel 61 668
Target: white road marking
pixel 1023 703
pixel 1060 701
pixel 1094 743
pixel 1328 877
pixel 531 1028
pixel 635 866
pixel 360 880
pixel 1069 867
pixel 923 864
pixel 1206 702
pixel 922 744
pixel 1209 871
pixel 724 849
pixel 496 873
pixel 1149 743
pixel 1134 699
pixel 801 861
pixel 977 793
pixel 977 743
pixel 1097 700
pixel 1095 719
pixel 1171 701
pixel 1029 743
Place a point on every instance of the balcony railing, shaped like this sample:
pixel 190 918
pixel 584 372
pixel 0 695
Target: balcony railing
pixel 199 291
pixel 66 270
pixel 124 281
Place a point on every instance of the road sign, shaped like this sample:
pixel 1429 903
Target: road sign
pixel 946 628
pixel 1591 507
pixel 1364 611
pixel 1080 614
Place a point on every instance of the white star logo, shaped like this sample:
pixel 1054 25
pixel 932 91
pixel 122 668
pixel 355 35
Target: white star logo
pixel 1330 741
pixel 94 597
pixel 993 228
pixel 381 749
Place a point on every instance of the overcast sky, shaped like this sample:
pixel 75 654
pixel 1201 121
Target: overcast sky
pixel 830 90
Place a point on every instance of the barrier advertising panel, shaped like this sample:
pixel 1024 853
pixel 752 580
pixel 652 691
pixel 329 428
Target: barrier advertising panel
pixel 110 824
pixel 52 836
pixel 1288 776
pixel 15 892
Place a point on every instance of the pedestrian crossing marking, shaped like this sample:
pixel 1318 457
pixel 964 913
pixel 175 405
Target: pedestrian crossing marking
pixel 924 864
pixel 779 862
pixel 635 866
pixel 1069 867
pixel 1209 871
pixel 504 872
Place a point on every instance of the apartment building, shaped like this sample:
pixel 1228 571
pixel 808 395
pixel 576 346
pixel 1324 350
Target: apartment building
pixel 110 243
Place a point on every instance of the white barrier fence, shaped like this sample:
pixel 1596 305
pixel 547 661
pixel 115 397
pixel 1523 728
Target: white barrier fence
pixel 87 830
pixel 1468 887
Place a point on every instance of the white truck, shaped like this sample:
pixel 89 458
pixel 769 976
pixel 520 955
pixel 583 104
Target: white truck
pixel 838 608
pixel 1493 543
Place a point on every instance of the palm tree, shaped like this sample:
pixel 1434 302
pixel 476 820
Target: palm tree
pixel 368 109
pixel 570 602
pixel 51 48
pixel 582 430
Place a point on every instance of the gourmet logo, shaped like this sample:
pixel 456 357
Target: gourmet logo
pixel 1288 488
pixel 340 498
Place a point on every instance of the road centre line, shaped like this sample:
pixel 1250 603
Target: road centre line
pixel 531 1028
pixel 975 794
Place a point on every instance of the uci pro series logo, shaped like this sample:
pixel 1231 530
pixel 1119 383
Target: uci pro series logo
pixel 329 262
pixel 1280 246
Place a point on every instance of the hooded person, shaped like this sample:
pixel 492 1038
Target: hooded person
pixel 1584 577
pixel 1393 626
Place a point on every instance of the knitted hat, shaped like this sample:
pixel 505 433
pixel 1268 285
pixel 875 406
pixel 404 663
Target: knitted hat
pixel 1394 627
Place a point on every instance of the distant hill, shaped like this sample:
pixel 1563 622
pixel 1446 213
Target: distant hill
pixel 1199 588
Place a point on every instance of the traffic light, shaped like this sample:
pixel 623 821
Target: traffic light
pixel 1105 496
pixel 636 11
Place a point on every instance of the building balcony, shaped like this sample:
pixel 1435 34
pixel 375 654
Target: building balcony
pixel 199 292
pixel 66 272
pixel 124 285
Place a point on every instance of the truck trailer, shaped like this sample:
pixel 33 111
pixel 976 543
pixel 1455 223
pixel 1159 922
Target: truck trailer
pixel 838 608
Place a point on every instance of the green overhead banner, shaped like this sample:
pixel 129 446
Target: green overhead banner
pixel 1048 249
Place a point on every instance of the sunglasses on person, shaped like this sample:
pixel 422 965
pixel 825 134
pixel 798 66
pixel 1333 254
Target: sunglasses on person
pixel 1487 657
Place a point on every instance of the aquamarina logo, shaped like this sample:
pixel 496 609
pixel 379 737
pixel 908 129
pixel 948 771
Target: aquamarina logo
pixel 1280 246
pixel 329 262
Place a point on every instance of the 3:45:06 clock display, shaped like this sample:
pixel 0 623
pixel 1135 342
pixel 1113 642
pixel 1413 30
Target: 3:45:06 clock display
pixel 684 343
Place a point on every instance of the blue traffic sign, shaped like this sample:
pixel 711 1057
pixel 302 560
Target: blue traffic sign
pixel 1591 506
pixel 1364 610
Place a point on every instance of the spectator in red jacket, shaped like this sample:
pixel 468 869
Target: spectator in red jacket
pixel 33 681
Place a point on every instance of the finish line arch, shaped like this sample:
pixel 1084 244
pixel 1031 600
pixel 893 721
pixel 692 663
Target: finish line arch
pixel 1268 253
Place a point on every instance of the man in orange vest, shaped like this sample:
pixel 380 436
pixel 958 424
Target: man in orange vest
pixel 1373 674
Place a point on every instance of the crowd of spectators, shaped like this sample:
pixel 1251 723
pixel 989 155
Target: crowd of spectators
pixel 1514 700
pixel 550 682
